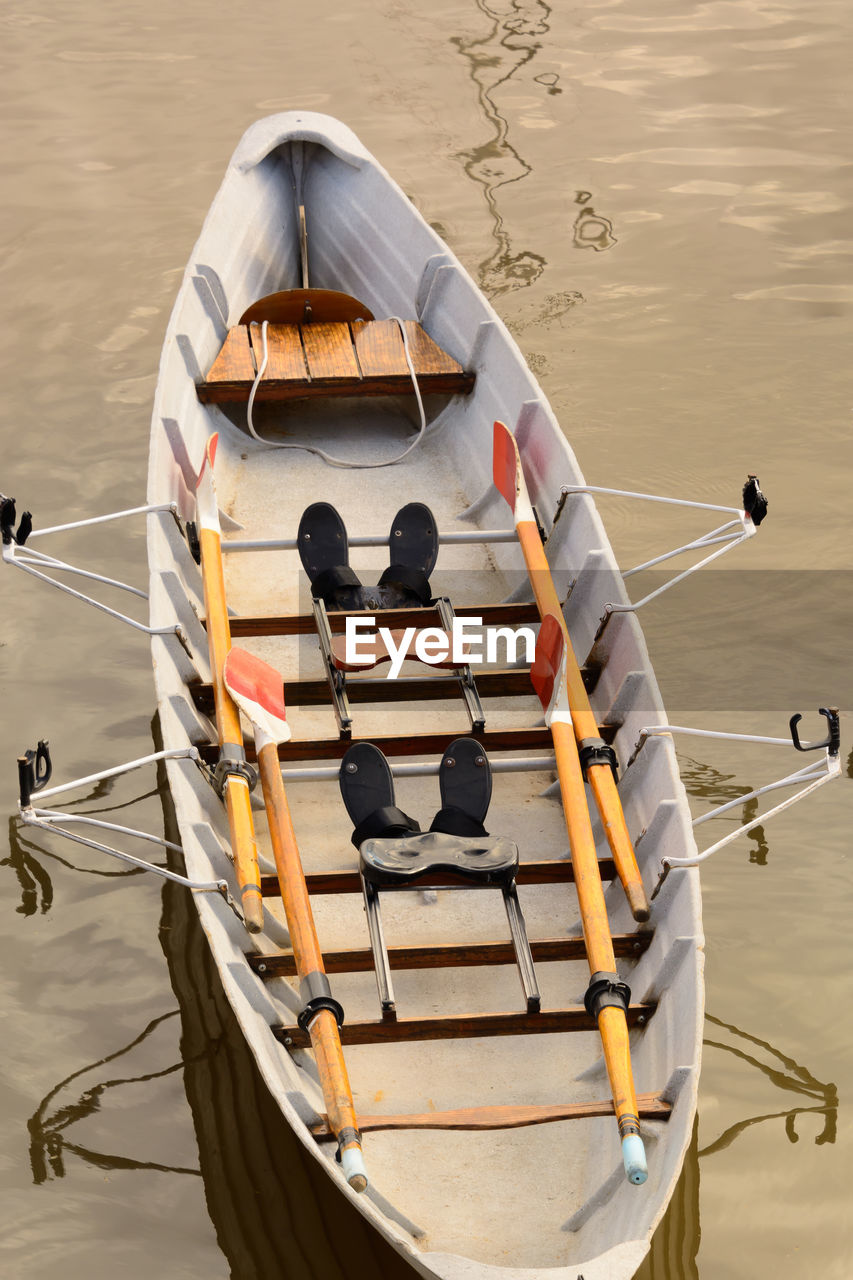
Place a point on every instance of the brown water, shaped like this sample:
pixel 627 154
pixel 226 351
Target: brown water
pixel 657 197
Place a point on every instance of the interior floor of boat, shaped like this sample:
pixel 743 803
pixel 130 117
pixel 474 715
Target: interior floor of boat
pixel 517 1187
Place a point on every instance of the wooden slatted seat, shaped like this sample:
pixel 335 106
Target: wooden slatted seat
pixel 357 358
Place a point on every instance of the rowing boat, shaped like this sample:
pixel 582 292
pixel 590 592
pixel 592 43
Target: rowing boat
pixel 327 348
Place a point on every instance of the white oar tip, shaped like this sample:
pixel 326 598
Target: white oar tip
pixel 354 1168
pixel 634 1159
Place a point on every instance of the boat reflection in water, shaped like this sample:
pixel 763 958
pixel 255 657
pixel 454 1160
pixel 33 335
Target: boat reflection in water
pixel 274 1211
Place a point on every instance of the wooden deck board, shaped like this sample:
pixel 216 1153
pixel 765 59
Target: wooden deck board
pixel 234 363
pixel 427 356
pixel 331 364
pixel 380 349
pixel 329 352
pixel 285 358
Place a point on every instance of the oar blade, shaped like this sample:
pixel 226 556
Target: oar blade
pixel 209 457
pixel 208 512
pixel 548 673
pixel 505 464
pixel 258 690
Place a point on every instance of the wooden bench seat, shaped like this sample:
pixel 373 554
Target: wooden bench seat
pixel 358 358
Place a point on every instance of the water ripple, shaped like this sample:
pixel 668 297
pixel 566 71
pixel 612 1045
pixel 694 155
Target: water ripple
pixel 734 157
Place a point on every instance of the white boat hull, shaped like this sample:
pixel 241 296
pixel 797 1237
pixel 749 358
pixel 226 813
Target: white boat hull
pixel 508 1204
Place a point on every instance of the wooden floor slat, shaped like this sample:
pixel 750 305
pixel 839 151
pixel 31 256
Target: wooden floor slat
pixel 360 959
pixel 545 871
pixel 415 744
pixel 650 1106
pixel 303 624
pixel 315 693
pixel 463 1026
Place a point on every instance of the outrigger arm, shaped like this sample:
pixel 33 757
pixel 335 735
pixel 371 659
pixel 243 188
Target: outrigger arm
pixel 34 772
pixel 809 779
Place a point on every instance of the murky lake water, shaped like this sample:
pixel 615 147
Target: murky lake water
pixel 658 198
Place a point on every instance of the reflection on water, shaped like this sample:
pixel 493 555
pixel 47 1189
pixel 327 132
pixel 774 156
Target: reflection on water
pixel 494 59
pixel 591 230
pixel 707 783
pixel 675 1244
pixel 49 1142
pixel 515 38
pixel 36 888
pixel 264 1194
pixel 275 1212
pixel 785 1074
pixel 26 854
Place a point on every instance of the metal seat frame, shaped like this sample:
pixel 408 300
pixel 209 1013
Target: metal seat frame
pixel 469 863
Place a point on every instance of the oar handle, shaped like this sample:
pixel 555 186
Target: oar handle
pixel 603 787
pixel 241 828
pixel 613 1029
pixel 634 1159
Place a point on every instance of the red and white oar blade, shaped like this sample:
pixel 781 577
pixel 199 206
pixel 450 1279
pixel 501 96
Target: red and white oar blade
pixel 205 492
pixel 508 474
pixel 258 690
pixel 548 673
pixel 209 456
pixel 505 465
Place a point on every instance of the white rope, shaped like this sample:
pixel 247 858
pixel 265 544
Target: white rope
pixel 321 453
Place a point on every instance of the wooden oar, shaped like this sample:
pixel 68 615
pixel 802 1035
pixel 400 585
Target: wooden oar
pixel 509 480
pixel 258 691
pixel 606 997
pixel 236 786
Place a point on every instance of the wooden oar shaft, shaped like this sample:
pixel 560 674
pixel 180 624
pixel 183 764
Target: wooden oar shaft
pixel 237 798
pixel 617 1057
pixel 547 601
pixel 585 726
pixel 334 1080
pixel 607 997
pixel 294 891
pixel 323 1029
pixel 218 636
pixel 596 927
pixel 612 1024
